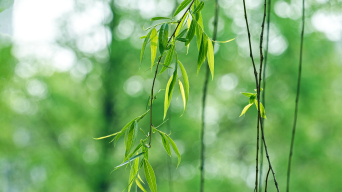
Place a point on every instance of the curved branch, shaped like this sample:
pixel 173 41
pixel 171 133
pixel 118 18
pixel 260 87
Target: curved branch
pixel 215 23
pixel 297 98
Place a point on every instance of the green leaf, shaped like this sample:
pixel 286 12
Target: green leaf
pixel 163 37
pixel 144 46
pixel 139 185
pixel 257 90
pixel 168 58
pixel 199 7
pixel 154 42
pixel 169 90
pixel 180 25
pixel 185 80
pixel 159 18
pixel 128 161
pixel 191 32
pixel 210 55
pixel 175 149
pixel 181 88
pixel 111 135
pixel 166 143
pixel 182 39
pixel 245 109
pixel 224 41
pixel 133 173
pixel 182 6
pixel 188 45
pixel 130 137
pixel 150 177
pixel 247 94
pixel 181 34
pixel 198 33
pixel 262 109
pixel 202 52
pixel 134 151
pixel 252 99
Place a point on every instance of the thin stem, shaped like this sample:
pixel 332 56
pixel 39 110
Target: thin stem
pixel 215 23
pixel 297 98
pixel 258 90
pixel 156 72
pixel 268 172
pixel 264 87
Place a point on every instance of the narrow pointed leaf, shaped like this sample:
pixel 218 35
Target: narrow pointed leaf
pixel 168 58
pixel 144 46
pixel 139 185
pixel 225 41
pixel 262 109
pixel 191 32
pixel 188 45
pixel 133 173
pixel 181 34
pixel 150 177
pixel 159 18
pixel 181 88
pixel 168 92
pixel 111 135
pixel 181 25
pixel 166 144
pixel 131 159
pixel 163 37
pixel 210 55
pixel 175 149
pixel 154 42
pixel 185 80
pixel 245 109
pixel 182 6
pixel 203 51
pixel 248 94
pixel 199 7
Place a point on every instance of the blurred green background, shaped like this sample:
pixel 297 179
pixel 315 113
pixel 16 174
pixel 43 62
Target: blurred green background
pixel 60 87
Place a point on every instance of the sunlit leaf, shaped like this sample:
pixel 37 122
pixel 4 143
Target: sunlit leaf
pixel 175 149
pixel 181 88
pixel 188 45
pixel 262 109
pixel 180 25
pixel 203 51
pixel 245 109
pixel 144 46
pixel 166 144
pixel 247 94
pixel 182 6
pixel 133 173
pixel 181 34
pixel 159 18
pixel 150 177
pixel 210 55
pixel 185 80
pixel 139 185
pixel 168 91
pixel 224 41
pixel 111 135
pixel 154 42
pixel 252 98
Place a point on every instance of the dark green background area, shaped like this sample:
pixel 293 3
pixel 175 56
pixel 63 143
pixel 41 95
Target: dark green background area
pixel 46 143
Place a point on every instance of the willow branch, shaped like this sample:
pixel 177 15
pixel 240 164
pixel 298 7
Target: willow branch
pixel 297 98
pixel 268 172
pixel 156 72
pixel 258 91
pixel 215 23
pixel 264 86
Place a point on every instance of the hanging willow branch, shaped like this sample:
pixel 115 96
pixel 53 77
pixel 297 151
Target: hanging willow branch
pixel 257 82
pixel 264 87
pixel 215 23
pixel 297 97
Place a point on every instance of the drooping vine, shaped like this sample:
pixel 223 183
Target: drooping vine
pixel 255 98
pixel 215 23
pixel 264 89
pixel 137 157
pixel 297 97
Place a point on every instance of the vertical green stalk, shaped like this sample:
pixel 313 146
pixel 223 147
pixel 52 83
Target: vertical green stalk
pixel 215 23
pixel 297 97
pixel 264 88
